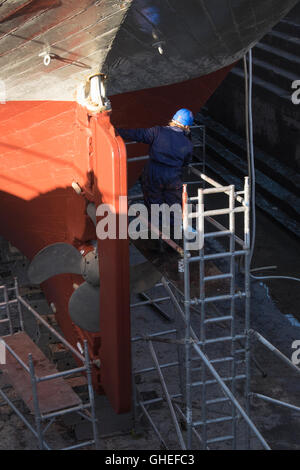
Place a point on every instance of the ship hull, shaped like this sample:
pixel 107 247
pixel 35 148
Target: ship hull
pixel 44 147
pixel 48 47
pixel 157 61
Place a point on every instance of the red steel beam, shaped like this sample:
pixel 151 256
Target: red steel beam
pixel 110 182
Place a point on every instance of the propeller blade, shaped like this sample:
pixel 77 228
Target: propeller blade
pixel 143 277
pixel 84 302
pixel 84 307
pixel 59 258
pixel 91 211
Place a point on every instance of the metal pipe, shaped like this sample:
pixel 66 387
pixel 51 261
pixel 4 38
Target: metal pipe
pixel 213 361
pixel 208 341
pixel 212 421
pixel 224 233
pixel 82 444
pixel 232 308
pixel 219 319
pixel 220 359
pixel 180 361
pixel 203 310
pixel 204 177
pixel 16 287
pixel 231 397
pixel 161 235
pixel 150 301
pixel 177 306
pixel 61 338
pixel 16 356
pixel 226 254
pixel 223 339
pixel 220 189
pixel 194 430
pixel 156 337
pixel 212 382
pixel 48 425
pixel 37 413
pixel 151 369
pixel 276 402
pixel 8 310
pixel 218 298
pixel 66 411
pixel 223 211
pixel 212 182
pixel 187 316
pixel 274 350
pixel 220 439
pixel 247 302
pixel 169 401
pixel 217 276
pixel 91 394
pixel 153 335
pixel 18 413
pixel 60 374
pixel 154 302
pixel 217 400
pixel 145 411
pixel 221 227
pixel 158 400
pixel 84 416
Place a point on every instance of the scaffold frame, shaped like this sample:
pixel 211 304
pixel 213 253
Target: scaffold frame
pixel 85 410
pixel 196 345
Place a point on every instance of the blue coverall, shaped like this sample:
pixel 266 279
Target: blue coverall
pixel 170 150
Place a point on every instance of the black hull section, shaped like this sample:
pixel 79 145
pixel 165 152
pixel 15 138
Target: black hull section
pixel 140 44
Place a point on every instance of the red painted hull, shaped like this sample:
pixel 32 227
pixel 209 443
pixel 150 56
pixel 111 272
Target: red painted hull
pixel 44 147
pixel 156 106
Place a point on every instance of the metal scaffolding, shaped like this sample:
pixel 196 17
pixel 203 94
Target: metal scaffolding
pixel 205 381
pixel 212 334
pixel 29 373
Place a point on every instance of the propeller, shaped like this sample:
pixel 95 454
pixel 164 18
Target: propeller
pixel 62 258
pixel 84 307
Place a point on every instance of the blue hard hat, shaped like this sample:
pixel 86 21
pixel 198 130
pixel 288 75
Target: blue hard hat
pixel 184 117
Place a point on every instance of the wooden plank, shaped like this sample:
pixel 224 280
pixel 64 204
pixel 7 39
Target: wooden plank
pixel 79 381
pixel 53 394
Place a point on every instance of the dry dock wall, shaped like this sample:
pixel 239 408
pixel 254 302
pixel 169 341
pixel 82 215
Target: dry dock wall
pixel 276 65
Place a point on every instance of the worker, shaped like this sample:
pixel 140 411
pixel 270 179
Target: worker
pixel 170 150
